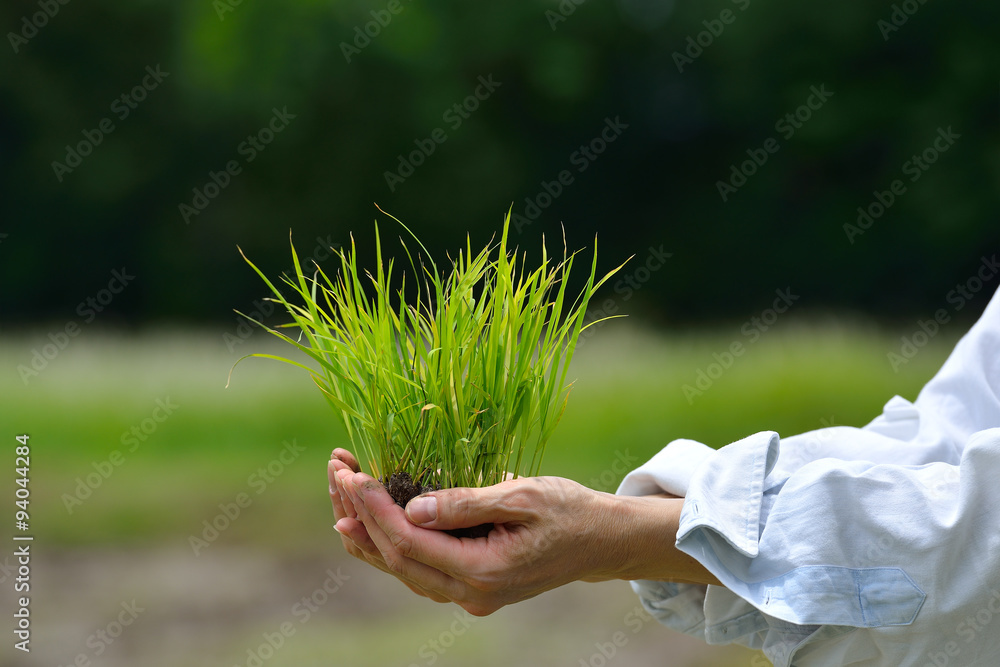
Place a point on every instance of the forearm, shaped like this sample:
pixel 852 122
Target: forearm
pixel 638 534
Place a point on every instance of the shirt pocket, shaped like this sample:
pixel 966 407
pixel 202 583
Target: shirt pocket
pixel 829 595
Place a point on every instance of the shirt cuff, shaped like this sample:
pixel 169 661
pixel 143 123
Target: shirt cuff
pixel 670 470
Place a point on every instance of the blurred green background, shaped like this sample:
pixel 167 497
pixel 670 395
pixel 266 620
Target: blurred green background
pixel 727 146
pixel 222 73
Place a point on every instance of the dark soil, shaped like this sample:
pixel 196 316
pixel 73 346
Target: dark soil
pixel 403 489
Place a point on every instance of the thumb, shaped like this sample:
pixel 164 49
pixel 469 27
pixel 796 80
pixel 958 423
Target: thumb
pixel 449 509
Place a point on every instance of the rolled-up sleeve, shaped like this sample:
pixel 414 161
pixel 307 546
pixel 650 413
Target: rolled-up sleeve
pixel 848 546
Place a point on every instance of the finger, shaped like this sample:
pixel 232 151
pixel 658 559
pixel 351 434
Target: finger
pixel 465 507
pixel 396 538
pixel 357 542
pixel 341 460
pixel 360 545
pixel 337 465
pixel 335 495
pixel 400 574
pixel 346 496
pixel 355 531
pixel 436 597
pixel 347 457
pixel 352 548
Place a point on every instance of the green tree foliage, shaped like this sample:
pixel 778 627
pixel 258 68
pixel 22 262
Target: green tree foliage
pixel 631 118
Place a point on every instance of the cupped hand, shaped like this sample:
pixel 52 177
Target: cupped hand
pixel 548 531
pixel 353 533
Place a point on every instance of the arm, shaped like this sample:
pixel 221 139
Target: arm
pixel 843 562
pixel 548 532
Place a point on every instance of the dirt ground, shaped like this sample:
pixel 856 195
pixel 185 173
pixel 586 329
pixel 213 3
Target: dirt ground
pixel 249 608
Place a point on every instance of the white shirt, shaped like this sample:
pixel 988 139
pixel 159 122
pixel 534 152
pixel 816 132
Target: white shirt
pixel 850 546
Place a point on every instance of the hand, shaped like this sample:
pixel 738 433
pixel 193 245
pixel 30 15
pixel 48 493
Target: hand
pixel 548 531
pixel 353 534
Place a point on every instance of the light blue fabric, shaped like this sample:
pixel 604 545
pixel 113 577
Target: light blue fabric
pixel 850 546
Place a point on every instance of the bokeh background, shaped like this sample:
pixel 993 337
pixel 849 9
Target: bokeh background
pixel 727 146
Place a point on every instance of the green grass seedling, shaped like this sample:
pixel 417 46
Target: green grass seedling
pixel 455 379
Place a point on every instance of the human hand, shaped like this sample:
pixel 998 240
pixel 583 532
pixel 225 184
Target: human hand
pixel 548 531
pixel 533 547
pixel 353 533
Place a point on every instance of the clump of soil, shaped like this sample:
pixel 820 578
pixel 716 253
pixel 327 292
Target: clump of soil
pixel 403 489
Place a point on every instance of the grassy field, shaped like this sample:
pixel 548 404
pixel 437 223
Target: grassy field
pixel 136 443
pixel 628 396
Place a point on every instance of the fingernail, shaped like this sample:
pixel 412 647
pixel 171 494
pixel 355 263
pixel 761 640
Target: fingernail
pixel 333 455
pixel 422 509
pixel 334 491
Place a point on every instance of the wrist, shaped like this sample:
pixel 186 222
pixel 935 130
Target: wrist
pixel 638 538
